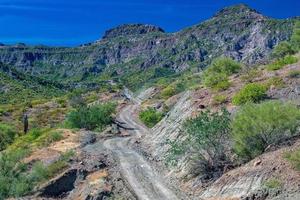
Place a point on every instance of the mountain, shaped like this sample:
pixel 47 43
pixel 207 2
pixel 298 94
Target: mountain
pixel 134 49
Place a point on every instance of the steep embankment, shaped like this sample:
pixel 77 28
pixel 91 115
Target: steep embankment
pixel 247 181
pixel 129 51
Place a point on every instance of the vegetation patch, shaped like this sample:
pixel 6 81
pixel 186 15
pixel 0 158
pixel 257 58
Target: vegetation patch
pixel 150 117
pixel 294 74
pixel 7 135
pixel 204 139
pixel 294 158
pixel 273 183
pixel 219 99
pixel 276 82
pixel 250 75
pixel 256 126
pixel 18 179
pixel 252 92
pixel 92 117
pixel 216 75
pixel 283 49
pixel 280 63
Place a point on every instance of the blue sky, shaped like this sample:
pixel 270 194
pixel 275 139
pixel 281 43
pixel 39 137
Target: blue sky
pixel 74 22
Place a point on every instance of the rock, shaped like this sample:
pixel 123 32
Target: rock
pixel 87 137
pixel 257 162
pixel 131 29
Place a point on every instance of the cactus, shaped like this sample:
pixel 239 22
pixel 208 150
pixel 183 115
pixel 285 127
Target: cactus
pixel 25 123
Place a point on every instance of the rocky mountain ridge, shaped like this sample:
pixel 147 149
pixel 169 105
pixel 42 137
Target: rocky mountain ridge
pixel 237 31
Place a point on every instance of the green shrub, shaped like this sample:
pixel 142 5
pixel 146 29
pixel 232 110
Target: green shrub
pixel 62 102
pixel 216 75
pixel 13 180
pixel 224 65
pixel 168 92
pixel 252 92
pixel 35 138
pixel 283 49
pixel 250 75
pixel 277 82
pixel 219 99
pixel 150 117
pixel 40 172
pixel 280 63
pixel 294 158
pixel 76 99
pixel 294 74
pixel 272 183
pixel 295 38
pixel 222 85
pixel 172 90
pixel 205 140
pixel 7 135
pixel 53 137
pixel 217 81
pixel 93 117
pixel 256 126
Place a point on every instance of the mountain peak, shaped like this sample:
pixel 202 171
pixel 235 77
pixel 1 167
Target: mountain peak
pixel 131 29
pixel 237 10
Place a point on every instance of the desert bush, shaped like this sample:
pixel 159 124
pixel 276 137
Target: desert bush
pixel 216 81
pixel 294 74
pixel 224 65
pixel 256 126
pixel 13 180
pixel 280 63
pixel 295 38
pixel 250 75
pixel 93 117
pixel 216 75
pixel 172 90
pixel 41 172
pixel 150 117
pixel 205 138
pixel 283 49
pixel 294 158
pixel 219 99
pixel 76 99
pixel 273 183
pixel 18 179
pixel 276 82
pixel 252 92
pixel 7 135
pixel 168 92
pixel 62 102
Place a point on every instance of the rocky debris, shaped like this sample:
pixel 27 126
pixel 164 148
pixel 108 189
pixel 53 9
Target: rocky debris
pixel 87 137
pixel 147 94
pixel 248 181
pixel 131 29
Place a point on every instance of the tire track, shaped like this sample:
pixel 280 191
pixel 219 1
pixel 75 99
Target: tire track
pixel 141 178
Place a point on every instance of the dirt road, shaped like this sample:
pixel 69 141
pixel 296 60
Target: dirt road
pixel 144 182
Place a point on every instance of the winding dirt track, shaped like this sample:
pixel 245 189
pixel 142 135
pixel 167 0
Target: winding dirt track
pixel 141 178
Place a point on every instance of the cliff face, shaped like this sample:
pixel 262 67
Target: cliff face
pixel 238 31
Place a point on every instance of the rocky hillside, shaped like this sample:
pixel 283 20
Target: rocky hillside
pixel 127 50
pixel 18 87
